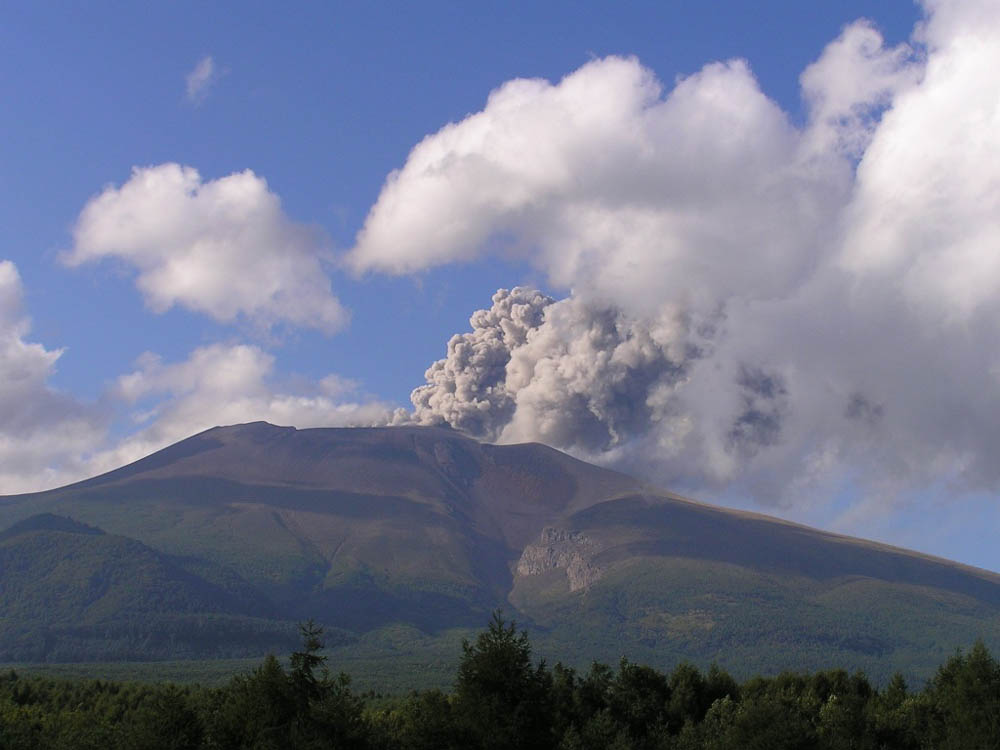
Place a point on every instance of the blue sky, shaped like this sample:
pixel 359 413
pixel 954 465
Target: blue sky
pixel 323 101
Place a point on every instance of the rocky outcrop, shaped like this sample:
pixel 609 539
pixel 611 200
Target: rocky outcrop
pixel 560 549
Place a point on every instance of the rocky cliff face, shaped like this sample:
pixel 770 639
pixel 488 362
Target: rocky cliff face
pixel 560 549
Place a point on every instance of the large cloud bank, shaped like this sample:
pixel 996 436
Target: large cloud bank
pixel 752 303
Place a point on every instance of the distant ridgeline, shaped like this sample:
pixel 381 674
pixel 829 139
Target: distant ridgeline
pixel 503 700
pixel 401 541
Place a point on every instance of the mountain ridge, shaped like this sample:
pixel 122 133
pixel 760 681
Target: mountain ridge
pixel 160 459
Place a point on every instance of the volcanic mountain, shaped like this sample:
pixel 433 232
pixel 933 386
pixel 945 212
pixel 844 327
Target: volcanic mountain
pixel 219 544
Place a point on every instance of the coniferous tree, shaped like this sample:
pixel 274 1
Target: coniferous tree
pixel 964 702
pixel 500 696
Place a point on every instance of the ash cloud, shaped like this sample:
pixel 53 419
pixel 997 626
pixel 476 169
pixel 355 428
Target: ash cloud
pixel 567 373
pixel 765 402
pixel 591 376
pixel 603 384
pixel 468 388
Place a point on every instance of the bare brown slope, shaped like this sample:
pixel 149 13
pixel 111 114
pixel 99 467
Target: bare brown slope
pixel 507 493
pixel 305 514
pixel 319 482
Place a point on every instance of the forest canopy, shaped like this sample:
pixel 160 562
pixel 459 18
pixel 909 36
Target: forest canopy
pixel 502 698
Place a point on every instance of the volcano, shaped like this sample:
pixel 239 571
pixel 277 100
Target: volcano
pixel 218 545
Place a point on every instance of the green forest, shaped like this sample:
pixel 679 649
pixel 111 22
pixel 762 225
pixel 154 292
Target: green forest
pixel 504 699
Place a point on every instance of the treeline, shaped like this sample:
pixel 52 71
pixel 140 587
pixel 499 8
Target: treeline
pixel 503 700
pixel 152 635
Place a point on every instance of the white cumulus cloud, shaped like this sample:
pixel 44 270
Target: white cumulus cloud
pixel 614 188
pixel 849 86
pixel 220 247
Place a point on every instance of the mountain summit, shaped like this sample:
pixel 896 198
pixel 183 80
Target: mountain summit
pixel 218 544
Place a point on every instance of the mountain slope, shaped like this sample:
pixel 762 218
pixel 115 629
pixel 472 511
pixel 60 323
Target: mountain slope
pixel 68 586
pixel 370 529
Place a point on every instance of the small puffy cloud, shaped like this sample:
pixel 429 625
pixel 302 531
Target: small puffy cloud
pixel 200 80
pixel 221 247
pixel 45 435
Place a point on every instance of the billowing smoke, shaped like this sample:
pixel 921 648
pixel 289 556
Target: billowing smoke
pixel 749 303
pixel 468 388
pixel 561 372
pixel 591 378
pixel 596 381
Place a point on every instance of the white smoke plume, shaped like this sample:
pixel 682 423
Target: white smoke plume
pixel 751 304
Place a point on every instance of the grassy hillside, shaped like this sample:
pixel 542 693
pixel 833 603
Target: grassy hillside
pixel 70 589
